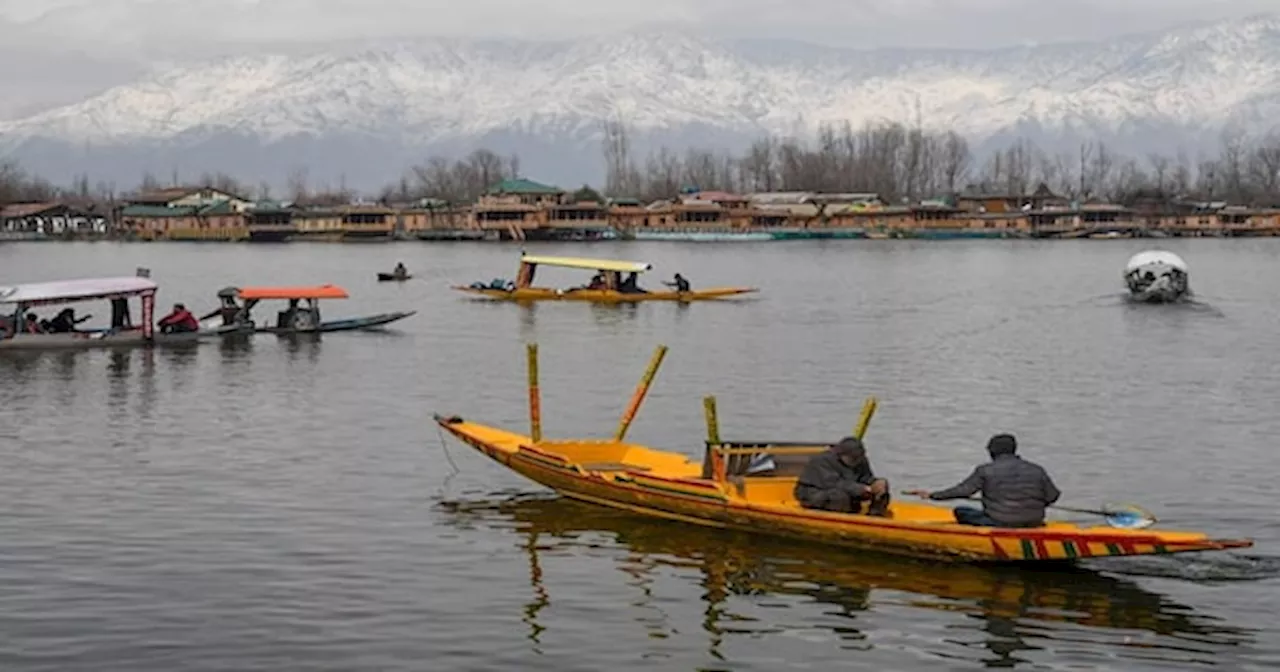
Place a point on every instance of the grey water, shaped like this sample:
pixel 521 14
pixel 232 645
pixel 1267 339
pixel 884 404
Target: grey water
pixel 288 504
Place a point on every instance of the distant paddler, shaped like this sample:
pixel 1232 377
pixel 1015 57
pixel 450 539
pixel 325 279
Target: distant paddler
pixel 400 271
pixel 679 283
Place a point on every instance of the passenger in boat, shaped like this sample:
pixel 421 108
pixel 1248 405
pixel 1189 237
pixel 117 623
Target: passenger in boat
pixel 597 281
pixel 1014 491
pixel 631 285
pixel 179 321
pixel 401 271
pixel 65 321
pixel 120 318
pixel 32 325
pixel 840 479
pixel 679 283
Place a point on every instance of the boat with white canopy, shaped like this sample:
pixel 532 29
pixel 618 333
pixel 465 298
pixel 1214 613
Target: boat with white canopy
pixel 22 329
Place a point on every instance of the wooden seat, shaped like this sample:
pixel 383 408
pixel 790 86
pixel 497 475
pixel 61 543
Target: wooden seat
pixel 613 466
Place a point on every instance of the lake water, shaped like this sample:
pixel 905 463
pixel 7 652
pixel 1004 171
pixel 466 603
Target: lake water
pixel 289 504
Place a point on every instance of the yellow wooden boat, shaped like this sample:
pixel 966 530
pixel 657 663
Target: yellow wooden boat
pixel 724 490
pixel 607 292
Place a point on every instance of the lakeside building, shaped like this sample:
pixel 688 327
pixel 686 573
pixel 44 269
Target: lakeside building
pixel 522 209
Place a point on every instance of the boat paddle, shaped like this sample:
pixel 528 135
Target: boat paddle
pixel 1123 516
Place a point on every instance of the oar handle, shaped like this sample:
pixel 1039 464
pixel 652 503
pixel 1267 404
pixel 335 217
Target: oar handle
pixel 1096 512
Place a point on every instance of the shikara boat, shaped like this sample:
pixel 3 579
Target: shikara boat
pixel 18 300
pixel 612 290
pixel 392 277
pixel 748 485
pixel 302 315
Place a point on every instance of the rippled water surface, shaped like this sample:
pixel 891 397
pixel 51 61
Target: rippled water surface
pixel 288 504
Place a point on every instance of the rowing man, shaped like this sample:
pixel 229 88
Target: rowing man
pixel 1014 491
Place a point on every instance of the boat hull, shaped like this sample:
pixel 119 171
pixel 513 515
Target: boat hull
pixel 392 277
pixel 602 295
pixel 647 482
pixel 350 324
pixel 80 340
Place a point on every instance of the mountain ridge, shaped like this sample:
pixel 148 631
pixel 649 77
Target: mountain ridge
pixel 403 101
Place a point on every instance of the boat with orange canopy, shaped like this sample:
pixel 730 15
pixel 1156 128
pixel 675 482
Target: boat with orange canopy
pixel 302 314
pixel 748 486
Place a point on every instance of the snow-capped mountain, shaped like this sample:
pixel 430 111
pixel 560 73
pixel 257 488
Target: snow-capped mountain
pixel 366 112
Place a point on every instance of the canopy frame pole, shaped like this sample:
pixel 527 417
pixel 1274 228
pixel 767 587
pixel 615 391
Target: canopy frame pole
pixel 864 418
pixel 642 389
pixel 535 397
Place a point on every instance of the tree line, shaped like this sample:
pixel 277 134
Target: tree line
pixel 900 163
pixel 905 164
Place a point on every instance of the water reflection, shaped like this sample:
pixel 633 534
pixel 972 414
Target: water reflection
pixel 1013 610
pixel 180 356
pixel 302 345
pixel 235 347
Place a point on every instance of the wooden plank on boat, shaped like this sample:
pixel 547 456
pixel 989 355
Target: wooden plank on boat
pixel 613 466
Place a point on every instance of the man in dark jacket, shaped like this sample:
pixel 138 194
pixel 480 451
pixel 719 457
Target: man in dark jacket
pixel 1014 492
pixel 840 479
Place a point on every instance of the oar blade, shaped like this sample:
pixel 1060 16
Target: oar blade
pixel 1128 517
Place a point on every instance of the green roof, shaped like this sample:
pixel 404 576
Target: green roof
pixel 156 211
pixel 219 208
pixel 523 186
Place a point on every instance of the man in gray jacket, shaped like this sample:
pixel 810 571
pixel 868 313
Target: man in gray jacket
pixel 840 479
pixel 1014 492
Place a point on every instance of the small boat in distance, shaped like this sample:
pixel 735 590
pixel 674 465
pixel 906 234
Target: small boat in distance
pixel 17 302
pixel 608 286
pixel 749 485
pixel 1157 276
pixel 304 318
pixel 400 274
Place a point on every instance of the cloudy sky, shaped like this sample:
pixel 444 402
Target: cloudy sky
pixel 84 46
pixel 123 25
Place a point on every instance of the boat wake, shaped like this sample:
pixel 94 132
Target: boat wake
pixel 1206 568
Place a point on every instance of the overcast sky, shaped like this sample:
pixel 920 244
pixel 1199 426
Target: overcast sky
pixel 124 24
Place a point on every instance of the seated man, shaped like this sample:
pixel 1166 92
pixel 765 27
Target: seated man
pixel 1014 492
pixel 840 479
pixel 180 320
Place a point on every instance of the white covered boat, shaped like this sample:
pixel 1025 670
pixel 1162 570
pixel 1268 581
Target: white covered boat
pixel 18 304
pixel 1157 276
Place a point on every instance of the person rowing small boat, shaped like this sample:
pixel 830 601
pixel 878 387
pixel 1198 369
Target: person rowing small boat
pixel 1015 492
pixel 400 273
pixel 229 310
pixel 679 282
